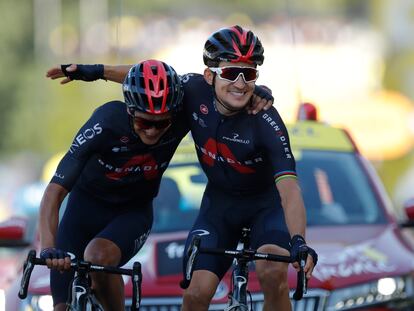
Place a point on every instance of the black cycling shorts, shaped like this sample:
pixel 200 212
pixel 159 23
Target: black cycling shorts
pixel 222 217
pixel 86 218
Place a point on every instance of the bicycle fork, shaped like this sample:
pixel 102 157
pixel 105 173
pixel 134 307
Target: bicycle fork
pixel 80 288
pixel 79 293
pixel 238 296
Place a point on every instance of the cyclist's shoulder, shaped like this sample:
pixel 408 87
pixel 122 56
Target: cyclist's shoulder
pixel 112 112
pixel 195 88
pixel 190 80
pixel 114 106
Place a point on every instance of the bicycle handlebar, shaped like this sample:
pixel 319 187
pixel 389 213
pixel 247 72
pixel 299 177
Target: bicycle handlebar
pixel 247 255
pixel 135 273
pixel 27 271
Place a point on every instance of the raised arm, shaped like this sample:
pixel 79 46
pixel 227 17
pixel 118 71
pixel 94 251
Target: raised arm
pixel 88 73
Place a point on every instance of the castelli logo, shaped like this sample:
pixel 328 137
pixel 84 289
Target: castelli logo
pixel 203 109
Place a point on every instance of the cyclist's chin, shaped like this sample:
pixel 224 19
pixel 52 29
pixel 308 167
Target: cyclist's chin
pixel 149 140
pixel 236 102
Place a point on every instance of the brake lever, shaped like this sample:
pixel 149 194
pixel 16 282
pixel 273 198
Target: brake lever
pixel 302 281
pixel 27 271
pixel 136 286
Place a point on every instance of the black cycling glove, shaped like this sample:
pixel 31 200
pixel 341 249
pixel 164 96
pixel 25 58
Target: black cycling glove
pixel 53 253
pixel 314 255
pixel 263 92
pixel 85 72
pixel 298 245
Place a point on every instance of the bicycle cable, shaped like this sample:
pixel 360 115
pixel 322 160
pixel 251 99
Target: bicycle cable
pixel 251 300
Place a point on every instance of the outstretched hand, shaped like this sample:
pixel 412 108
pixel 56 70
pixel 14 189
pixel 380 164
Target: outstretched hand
pixel 56 73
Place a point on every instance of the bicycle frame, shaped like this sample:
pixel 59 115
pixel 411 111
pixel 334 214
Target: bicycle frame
pixel 238 294
pixel 240 278
pixel 81 293
pixel 82 297
pixel 240 274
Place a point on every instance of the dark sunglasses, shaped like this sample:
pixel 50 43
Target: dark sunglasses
pixel 232 73
pixel 147 124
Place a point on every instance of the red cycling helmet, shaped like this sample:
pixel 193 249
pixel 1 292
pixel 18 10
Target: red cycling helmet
pixel 233 44
pixel 152 87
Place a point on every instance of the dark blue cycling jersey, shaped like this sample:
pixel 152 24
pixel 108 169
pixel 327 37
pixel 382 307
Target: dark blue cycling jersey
pixel 239 153
pixel 109 161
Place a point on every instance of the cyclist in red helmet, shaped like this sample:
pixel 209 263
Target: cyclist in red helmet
pixel 112 170
pixel 250 168
pixel 248 162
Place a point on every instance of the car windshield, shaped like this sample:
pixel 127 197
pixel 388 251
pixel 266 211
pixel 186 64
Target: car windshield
pixel 335 188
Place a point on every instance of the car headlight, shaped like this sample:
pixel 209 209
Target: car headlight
pixel 38 303
pixel 378 292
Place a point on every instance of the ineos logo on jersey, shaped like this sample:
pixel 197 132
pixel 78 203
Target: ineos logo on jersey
pixel 236 139
pixel 87 134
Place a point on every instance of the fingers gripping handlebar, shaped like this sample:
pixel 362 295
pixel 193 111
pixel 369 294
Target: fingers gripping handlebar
pixel 135 273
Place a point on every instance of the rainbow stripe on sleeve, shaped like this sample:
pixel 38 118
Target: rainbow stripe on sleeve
pixel 285 174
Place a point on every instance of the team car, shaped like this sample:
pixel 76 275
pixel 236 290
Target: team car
pixel 365 246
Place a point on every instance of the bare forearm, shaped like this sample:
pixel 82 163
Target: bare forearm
pixel 49 214
pixel 293 206
pixel 116 73
pixel 295 216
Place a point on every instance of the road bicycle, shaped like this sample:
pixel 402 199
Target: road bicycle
pixel 82 297
pixel 238 295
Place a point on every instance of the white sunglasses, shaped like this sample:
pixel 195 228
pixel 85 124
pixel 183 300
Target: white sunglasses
pixel 232 73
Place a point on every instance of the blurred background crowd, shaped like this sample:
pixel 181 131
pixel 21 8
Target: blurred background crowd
pixel 354 59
